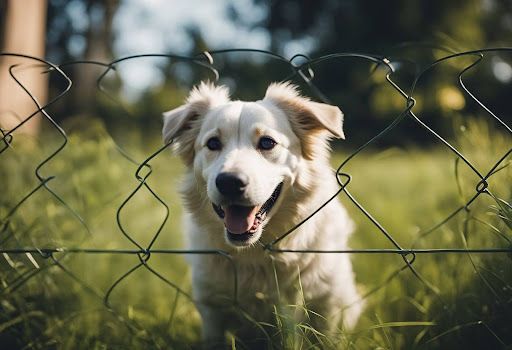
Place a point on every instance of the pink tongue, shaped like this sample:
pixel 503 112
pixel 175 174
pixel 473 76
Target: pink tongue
pixel 239 219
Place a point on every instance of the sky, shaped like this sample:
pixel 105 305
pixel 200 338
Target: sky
pixel 160 26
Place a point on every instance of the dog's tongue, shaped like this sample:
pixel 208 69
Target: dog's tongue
pixel 239 219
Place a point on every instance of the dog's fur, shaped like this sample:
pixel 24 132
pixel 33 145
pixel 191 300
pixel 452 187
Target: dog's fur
pixel 299 160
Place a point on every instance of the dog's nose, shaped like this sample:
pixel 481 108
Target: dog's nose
pixel 231 184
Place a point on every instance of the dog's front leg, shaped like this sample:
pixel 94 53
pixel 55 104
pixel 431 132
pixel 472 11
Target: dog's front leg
pixel 213 332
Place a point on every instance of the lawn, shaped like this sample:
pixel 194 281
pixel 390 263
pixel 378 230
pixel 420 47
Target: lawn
pixel 455 300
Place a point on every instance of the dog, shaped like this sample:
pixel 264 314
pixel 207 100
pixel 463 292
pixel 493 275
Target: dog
pixel 254 171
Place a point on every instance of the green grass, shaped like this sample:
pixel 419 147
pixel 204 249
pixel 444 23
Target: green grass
pixel 461 301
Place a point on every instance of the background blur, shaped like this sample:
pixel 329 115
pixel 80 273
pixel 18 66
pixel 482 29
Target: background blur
pixel 410 33
pixel 69 181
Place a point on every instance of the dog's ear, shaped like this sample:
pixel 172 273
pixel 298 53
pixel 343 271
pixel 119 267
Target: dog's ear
pixel 174 122
pixel 330 117
pixel 200 100
pixel 182 124
pixel 310 120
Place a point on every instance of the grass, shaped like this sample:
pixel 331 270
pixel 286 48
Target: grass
pixel 459 301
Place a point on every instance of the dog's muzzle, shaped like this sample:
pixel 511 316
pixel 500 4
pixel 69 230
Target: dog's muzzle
pixel 242 222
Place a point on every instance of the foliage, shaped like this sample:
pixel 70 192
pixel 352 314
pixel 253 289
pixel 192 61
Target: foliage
pixel 411 34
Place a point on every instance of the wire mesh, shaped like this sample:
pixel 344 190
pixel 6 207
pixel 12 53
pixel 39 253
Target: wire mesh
pixel 301 68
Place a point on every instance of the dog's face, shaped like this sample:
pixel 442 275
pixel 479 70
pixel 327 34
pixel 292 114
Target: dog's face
pixel 247 154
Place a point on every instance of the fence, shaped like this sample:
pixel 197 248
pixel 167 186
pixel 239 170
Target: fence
pixel 55 255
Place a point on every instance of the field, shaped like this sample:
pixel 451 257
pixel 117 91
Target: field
pixel 457 301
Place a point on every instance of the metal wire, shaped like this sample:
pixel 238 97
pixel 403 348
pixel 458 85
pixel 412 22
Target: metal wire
pixel 303 72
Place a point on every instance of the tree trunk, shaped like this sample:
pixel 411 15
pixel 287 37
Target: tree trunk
pixel 24 31
pixel 99 48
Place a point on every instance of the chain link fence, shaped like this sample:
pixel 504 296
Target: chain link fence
pixel 42 256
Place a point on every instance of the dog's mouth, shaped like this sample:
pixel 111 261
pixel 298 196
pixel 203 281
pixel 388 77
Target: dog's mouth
pixel 242 222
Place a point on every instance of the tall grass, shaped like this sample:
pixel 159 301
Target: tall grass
pixel 465 299
pixel 461 300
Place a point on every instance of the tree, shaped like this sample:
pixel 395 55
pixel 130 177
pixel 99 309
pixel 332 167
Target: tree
pixel 79 30
pixel 23 33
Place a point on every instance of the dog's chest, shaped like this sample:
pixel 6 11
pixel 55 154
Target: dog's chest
pixel 264 280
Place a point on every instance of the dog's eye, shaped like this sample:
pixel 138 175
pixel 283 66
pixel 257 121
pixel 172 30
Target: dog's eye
pixel 214 144
pixel 266 143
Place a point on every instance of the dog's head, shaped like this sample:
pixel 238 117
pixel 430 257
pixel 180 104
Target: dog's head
pixel 247 154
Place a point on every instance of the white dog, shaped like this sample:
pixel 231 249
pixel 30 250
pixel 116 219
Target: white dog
pixel 255 170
